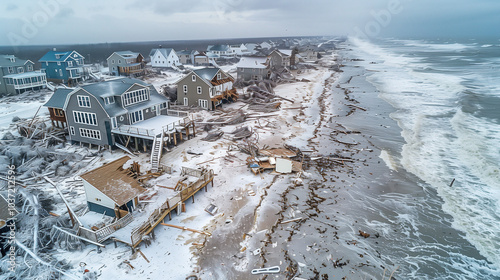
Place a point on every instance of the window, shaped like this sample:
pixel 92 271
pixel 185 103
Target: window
pixel 185 88
pixel 186 101
pixel 72 130
pixel 58 63
pixel 85 118
pixel 20 70
pixel 109 100
pixel 136 116
pixel 119 61
pixel 112 61
pixel 203 103
pixel 90 133
pixel 30 67
pixel 83 101
pixel 163 105
pixel 198 90
pixel 60 72
pixel 114 124
pixel 58 113
pixel 219 76
pixel 11 69
pixel 133 97
pixel 193 78
pixel 70 63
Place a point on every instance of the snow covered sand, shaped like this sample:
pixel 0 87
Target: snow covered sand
pixel 179 252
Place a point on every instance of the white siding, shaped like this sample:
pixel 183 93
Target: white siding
pixel 96 196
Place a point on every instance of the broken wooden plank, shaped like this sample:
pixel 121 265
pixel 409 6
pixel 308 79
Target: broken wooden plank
pixel 188 229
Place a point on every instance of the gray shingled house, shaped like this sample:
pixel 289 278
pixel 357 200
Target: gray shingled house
pixel 126 63
pixel 253 68
pixel 93 111
pixel 17 76
pixel 206 88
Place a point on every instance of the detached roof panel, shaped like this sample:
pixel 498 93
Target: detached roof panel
pixel 114 182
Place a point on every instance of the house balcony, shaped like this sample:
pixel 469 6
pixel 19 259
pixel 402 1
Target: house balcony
pixel 28 80
pixel 132 69
pixel 168 122
pixel 227 94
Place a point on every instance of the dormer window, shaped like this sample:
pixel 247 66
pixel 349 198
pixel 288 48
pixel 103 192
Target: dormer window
pixel 109 100
pixel 70 63
pixel 12 59
pixel 136 96
pixel 58 56
pixel 193 78
pixel 30 67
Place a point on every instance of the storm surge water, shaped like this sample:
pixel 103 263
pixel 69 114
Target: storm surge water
pixel 446 101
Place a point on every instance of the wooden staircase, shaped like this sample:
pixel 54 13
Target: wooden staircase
pixel 156 153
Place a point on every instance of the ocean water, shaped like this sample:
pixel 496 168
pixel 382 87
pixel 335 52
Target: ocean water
pixel 444 96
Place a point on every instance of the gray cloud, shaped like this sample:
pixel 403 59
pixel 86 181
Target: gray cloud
pixel 115 20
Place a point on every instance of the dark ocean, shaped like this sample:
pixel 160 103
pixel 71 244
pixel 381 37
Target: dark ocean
pixel 443 97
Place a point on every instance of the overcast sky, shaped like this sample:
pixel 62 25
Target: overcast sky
pixel 33 22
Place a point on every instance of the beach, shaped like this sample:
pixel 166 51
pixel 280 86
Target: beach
pixel 361 208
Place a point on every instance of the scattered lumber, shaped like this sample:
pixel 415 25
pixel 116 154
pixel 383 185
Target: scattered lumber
pixel 188 229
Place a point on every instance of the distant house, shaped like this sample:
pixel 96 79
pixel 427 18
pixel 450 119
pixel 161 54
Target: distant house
pixel 126 63
pixel 110 188
pixel 7 217
pixel 56 107
pixel 95 112
pixel 309 53
pixel 253 68
pixel 17 76
pixel 64 67
pixel 265 45
pixel 205 88
pixel 186 56
pixel 205 59
pixel 282 58
pixel 164 57
pixel 239 50
pixel 251 47
pixel 221 50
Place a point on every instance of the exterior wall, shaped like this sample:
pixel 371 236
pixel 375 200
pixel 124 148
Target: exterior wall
pixel 95 196
pixel 57 117
pixel 103 121
pixel 58 72
pixel 159 60
pixel 113 63
pixel 247 74
pixel 192 93
pixel 276 60
pixel 6 89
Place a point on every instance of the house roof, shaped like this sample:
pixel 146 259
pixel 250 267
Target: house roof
pixel 166 52
pixel 117 88
pixel 5 212
pixel 220 48
pixel 286 52
pixel 114 182
pixel 207 73
pixel 58 99
pixel 126 54
pixel 5 60
pixel 185 52
pixel 57 56
pixel 252 62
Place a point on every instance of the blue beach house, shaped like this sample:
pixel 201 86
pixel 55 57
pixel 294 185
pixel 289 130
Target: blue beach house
pixel 64 67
